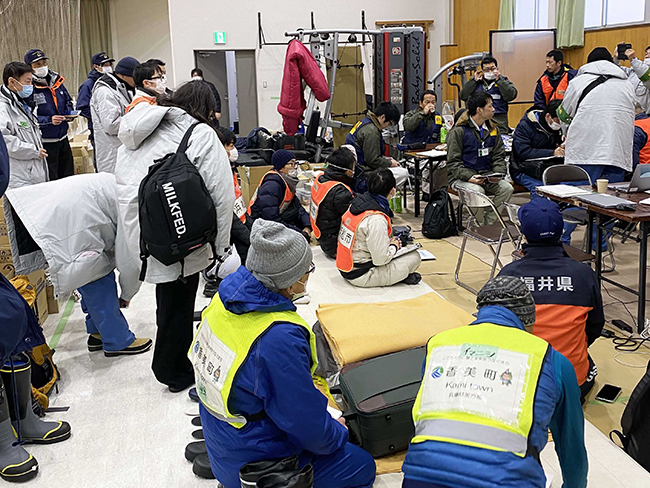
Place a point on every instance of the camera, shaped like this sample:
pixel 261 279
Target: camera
pixel 622 47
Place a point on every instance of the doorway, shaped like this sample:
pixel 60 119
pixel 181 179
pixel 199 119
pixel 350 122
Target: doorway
pixel 233 74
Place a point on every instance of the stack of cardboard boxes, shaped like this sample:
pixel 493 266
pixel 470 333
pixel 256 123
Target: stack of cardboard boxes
pixel 6 262
pixel 82 154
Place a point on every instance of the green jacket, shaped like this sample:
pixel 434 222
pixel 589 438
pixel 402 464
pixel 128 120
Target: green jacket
pixel 455 167
pixel 369 140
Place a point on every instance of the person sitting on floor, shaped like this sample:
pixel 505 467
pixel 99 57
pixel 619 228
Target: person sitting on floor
pixel 489 396
pixel 567 296
pixel 475 149
pixel 275 198
pixel 367 139
pixel 366 251
pixel 536 143
pixel 263 404
pixel 331 196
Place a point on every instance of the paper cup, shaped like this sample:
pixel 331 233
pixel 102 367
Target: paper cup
pixel 601 185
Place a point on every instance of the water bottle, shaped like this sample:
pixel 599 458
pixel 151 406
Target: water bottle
pixel 448 114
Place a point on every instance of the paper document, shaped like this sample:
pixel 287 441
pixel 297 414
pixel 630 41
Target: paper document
pixel 645 201
pixel 336 414
pixel 433 153
pixel 426 255
pixel 564 191
pixel 407 249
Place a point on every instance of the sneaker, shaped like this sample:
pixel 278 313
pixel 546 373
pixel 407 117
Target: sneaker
pixel 412 279
pixel 95 342
pixel 303 300
pixel 211 288
pixel 138 346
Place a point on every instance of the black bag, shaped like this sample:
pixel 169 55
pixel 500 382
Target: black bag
pixel 636 423
pixel 380 393
pixel 439 217
pixel 176 212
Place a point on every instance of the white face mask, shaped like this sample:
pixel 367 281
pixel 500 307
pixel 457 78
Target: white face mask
pixel 555 126
pixel 489 76
pixel 233 155
pixel 107 69
pixel 197 78
pixel 298 296
pixel 41 72
pixel 293 173
pixel 161 86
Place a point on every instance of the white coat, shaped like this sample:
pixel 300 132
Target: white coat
pixel 602 130
pixel 75 221
pixel 107 107
pixel 638 76
pixel 150 132
pixel 20 130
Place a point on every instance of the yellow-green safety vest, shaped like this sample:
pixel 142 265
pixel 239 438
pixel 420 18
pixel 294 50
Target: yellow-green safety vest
pixel 222 344
pixel 479 388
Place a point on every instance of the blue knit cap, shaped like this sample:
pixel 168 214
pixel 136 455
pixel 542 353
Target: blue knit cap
pixel 541 220
pixel 281 158
pixel 125 66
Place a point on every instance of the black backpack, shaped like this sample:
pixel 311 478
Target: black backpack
pixel 636 423
pixel 439 217
pixel 176 211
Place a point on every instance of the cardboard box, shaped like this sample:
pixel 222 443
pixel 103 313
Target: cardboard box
pixel 6 262
pixel 37 279
pixel 52 302
pixel 250 177
pixel 80 138
pixel 4 234
pixel 83 165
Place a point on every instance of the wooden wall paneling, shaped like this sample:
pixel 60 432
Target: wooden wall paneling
pixel 638 36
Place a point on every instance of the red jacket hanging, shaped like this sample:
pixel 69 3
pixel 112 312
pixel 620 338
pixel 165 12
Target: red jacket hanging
pixel 299 64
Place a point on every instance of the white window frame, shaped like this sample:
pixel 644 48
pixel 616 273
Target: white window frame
pixel 646 18
pixel 536 15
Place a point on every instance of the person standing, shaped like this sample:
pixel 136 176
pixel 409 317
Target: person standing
pixel 552 85
pixel 197 75
pixel 149 132
pixel 638 75
pixel 53 105
pixel 102 64
pixel 19 127
pixel 112 93
pixel 500 88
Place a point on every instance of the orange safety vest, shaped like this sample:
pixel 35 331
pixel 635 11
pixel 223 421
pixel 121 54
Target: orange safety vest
pixel 240 205
pixel 348 234
pixel 136 101
pixel 644 154
pixel 318 193
pixel 288 196
pixel 558 92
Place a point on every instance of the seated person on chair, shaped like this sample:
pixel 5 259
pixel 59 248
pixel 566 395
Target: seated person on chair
pixel 491 392
pixel 275 198
pixel 641 148
pixel 475 149
pixel 260 402
pixel 423 124
pixel 568 303
pixel 536 139
pixel 331 196
pixel 366 138
pixel 366 249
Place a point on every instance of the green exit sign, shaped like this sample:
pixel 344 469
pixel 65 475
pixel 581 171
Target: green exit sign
pixel 219 37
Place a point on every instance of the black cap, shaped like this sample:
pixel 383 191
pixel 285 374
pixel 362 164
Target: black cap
pixel 34 55
pixel 101 58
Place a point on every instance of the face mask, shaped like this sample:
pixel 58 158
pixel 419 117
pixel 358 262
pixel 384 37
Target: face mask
pixel 298 296
pixel 161 86
pixel 107 69
pixel 555 126
pixel 41 72
pixel 197 78
pixel 234 154
pixel 489 76
pixel 26 92
pixel 293 173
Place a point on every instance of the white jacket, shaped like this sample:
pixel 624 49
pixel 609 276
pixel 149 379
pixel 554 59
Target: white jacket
pixel 372 242
pixel 75 221
pixel 602 131
pixel 23 138
pixel 107 107
pixel 150 132
pixel 639 76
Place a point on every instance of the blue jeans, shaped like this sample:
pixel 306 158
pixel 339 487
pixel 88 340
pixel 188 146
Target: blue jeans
pixel 529 183
pixel 100 303
pixel 349 467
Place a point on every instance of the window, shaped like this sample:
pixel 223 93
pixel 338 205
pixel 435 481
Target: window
pixel 601 13
pixel 531 14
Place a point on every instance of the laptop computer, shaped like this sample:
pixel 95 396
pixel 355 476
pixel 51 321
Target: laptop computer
pixel 607 201
pixel 640 181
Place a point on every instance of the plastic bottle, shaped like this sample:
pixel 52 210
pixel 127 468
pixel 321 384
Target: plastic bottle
pixel 448 114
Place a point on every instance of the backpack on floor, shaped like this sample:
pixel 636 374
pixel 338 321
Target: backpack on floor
pixel 176 211
pixel 635 423
pixel 439 217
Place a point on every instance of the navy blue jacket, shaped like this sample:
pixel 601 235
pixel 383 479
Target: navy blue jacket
pixel 554 80
pixel 640 139
pixel 270 196
pixel 533 139
pixel 557 407
pixel 276 379
pixel 52 99
pixel 85 93
pixel 419 127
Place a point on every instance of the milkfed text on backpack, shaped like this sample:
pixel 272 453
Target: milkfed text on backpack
pixel 439 217
pixel 176 211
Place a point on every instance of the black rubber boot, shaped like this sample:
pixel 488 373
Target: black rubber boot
pixel 412 279
pixel 288 479
pixel 32 429
pixel 201 467
pixel 16 464
pixel 194 449
pixel 252 472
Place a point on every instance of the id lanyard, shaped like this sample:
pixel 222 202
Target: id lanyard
pixel 484 151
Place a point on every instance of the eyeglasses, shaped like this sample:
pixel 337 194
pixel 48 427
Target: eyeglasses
pixel 292 164
pixel 312 268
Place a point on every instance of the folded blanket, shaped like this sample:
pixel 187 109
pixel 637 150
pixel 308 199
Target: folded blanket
pixel 360 331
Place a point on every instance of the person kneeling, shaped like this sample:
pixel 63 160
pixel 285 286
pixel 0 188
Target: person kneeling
pixel 331 196
pixel 254 357
pixel 366 251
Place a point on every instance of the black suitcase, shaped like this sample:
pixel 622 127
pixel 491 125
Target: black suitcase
pixel 380 393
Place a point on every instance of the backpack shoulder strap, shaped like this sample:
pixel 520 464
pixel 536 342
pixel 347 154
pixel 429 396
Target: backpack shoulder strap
pixel 631 413
pixel 598 81
pixel 186 138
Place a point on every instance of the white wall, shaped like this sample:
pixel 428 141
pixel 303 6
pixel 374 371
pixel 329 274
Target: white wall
pixel 193 25
pixel 140 28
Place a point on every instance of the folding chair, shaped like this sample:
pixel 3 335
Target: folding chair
pixel 491 235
